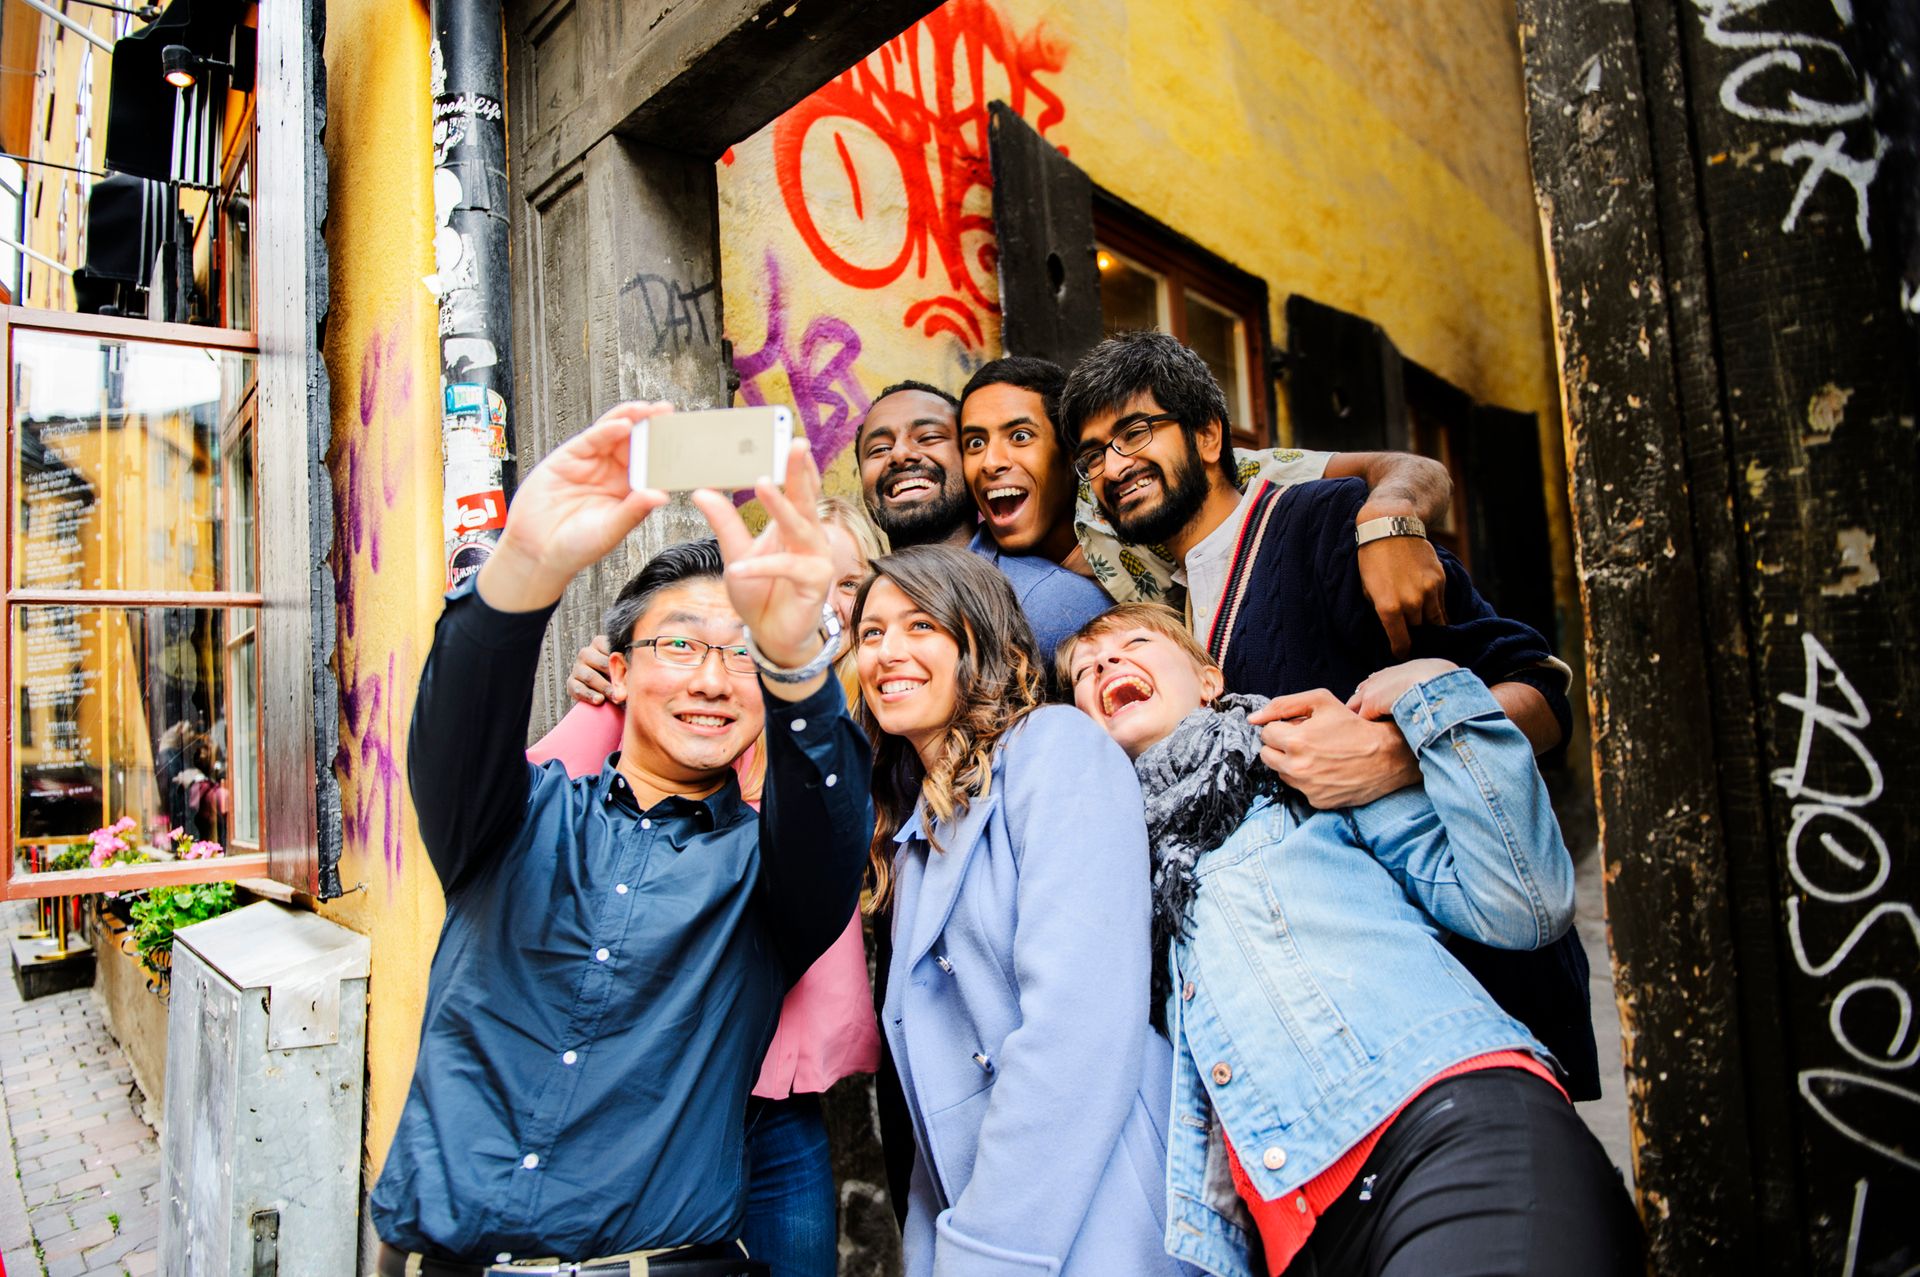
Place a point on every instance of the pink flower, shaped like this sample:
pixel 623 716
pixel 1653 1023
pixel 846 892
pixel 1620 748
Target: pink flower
pixel 202 850
pixel 125 823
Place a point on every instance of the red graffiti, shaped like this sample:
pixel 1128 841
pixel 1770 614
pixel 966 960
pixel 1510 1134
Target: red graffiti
pixel 923 96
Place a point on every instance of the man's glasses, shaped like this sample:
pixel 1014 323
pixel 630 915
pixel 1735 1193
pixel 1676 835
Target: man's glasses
pixel 691 653
pixel 1130 438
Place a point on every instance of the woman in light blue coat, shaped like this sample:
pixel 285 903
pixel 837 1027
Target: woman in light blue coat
pixel 1012 844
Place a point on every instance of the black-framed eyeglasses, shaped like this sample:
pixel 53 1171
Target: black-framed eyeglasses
pixel 691 653
pixel 1129 436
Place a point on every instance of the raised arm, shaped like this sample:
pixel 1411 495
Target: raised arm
pixel 1477 846
pixel 465 763
pixel 816 818
pixel 1066 1078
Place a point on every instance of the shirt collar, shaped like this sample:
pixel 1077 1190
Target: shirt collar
pixel 1219 542
pixel 911 827
pixel 720 809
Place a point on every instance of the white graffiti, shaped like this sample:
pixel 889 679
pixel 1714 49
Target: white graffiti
pixel 1752 91
pixel 1836 856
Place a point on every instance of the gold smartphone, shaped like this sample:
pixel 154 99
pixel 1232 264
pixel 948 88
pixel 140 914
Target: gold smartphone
pixel 726 449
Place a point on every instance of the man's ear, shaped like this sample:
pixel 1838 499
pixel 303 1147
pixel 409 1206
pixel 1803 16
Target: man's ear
pixel 1208 440
pixel 617 677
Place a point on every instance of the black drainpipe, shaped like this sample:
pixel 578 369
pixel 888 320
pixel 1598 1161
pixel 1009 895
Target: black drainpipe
pixel 470 277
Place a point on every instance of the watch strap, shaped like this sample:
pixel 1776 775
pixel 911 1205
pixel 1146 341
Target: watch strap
pixel 1395 525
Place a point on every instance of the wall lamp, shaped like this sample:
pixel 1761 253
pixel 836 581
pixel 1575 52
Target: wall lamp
pixel 182 66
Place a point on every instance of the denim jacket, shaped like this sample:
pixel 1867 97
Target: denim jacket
pixel 1314 993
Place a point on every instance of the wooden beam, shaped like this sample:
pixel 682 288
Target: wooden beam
pixel 1661 838
pixel 693 76
pixel 80 882
pixel 300 702
pixel 1740 397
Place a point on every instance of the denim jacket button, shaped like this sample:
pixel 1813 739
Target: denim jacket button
pixel 1275 1158
pixel 1222 1073
pixel 1186 992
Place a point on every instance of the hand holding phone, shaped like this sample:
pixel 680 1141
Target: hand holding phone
pixel 725 449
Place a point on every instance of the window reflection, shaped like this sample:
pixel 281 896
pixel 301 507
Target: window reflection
pixel 1218 337
pixel 117 462
pixel 128 710
pixel 1131 296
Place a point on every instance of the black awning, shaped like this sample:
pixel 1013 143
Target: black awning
pixel 140 102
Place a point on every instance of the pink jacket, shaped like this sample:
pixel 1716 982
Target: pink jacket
pixel 827 1030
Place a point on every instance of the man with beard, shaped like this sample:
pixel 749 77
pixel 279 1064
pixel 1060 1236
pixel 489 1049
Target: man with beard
pixel 911 474
pixel 1275 592
pixel 1022 479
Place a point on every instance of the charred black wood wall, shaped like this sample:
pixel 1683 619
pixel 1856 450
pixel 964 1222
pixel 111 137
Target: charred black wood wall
pixel 1738 378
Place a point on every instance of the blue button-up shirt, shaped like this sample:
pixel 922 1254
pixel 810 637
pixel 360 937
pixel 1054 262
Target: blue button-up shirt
pixel 607 979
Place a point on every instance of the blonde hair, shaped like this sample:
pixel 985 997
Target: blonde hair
pixel 1158 617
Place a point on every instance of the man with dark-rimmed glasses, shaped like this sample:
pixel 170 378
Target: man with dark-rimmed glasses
pixel 616 947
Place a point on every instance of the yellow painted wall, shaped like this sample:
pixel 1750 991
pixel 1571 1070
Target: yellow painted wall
pixel 1370 154
pixel 384 365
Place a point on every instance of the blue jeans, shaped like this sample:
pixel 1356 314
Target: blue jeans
pixel 791 1218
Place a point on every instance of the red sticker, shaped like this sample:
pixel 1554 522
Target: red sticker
pixel 480 512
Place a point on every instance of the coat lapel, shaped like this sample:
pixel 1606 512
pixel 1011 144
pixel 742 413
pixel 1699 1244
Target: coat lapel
pixel 960 840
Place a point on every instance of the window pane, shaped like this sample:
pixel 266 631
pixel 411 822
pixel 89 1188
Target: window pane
pixel 236 213
pixel 240 521
pixel 1130 295
pixel 129 709
pixel 1219 338
pixel 117 462
pixel 244 775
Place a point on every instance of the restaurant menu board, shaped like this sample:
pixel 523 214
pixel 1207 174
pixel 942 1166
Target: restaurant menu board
pixel 56 670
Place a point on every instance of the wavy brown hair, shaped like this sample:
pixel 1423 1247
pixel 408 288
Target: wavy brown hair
pixel 998 681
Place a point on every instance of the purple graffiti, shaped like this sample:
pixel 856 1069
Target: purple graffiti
pixel 364 491
pixel 827 397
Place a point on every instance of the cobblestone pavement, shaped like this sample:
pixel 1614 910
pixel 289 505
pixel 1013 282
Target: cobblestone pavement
pixel 87 1167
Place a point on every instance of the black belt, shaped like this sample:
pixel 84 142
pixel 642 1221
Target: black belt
pixel 714 1259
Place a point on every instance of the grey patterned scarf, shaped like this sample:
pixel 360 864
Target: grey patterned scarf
pixel 1198 781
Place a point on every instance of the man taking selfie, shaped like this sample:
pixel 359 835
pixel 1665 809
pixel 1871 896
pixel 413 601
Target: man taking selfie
pixel 616 947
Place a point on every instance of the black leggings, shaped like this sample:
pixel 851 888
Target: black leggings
pixel 1490 1174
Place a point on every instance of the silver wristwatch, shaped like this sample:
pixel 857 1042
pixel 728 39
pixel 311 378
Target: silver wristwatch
pixel 1396 525
pixel 830 645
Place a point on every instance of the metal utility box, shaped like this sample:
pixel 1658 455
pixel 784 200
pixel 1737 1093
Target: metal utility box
pixel 266 1056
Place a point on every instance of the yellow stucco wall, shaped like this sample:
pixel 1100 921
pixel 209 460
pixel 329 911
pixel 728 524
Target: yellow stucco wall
pixel 384 365
pixel 1370 155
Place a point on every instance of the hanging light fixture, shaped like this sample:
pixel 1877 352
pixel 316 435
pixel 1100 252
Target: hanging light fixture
pixel 180 65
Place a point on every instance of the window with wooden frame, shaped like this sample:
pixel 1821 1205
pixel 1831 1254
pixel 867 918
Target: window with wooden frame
pixel 155 609
pixel 1152 277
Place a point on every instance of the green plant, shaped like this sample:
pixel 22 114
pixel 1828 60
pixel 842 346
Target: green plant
pixel 74 857
pixel 113 1218
pixel 166 910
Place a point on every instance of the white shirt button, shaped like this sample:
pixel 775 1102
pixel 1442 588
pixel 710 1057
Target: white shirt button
pixel 530 1161
pixel 620 889
pixel 503 1258
pixel 569 1057
pixel 1300 1204
pixel 832 781
pixel 601 955
pixel 646 824
pixel 799 724
pixel 1275 1158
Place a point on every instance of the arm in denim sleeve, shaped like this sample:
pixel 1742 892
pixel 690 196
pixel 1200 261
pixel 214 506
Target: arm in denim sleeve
pixel 816 823
pixel 466 750
pixel 1477 845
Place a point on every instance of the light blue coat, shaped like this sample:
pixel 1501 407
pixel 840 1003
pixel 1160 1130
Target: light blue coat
pixel 1017 1014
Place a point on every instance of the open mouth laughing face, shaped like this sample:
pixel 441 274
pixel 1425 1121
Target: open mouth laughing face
pixel 909 454
pixel 1138 684
pixel 1015 469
